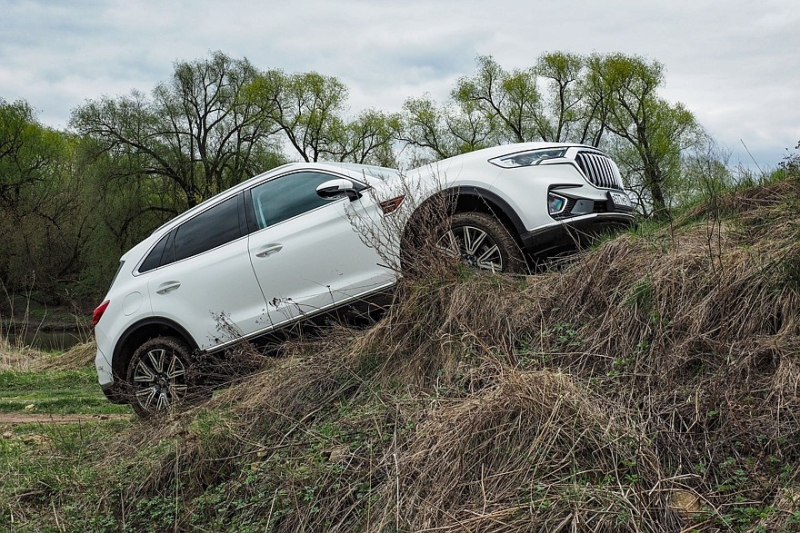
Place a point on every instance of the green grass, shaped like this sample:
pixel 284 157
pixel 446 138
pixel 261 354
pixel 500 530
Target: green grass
pixel 41 464
pixel 42 461
pixel 54 392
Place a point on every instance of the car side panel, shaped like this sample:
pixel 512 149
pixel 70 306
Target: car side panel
pixel 313 261
pixel 214 295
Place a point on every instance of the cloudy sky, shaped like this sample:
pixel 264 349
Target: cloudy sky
pixel 735 64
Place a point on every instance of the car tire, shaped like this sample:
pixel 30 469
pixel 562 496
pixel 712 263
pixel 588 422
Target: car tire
pixel 159 376
pixel 481 241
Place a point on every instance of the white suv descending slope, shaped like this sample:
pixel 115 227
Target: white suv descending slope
pixel 292 243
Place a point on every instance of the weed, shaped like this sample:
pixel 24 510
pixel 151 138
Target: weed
pixel 642 296
pixel 565 336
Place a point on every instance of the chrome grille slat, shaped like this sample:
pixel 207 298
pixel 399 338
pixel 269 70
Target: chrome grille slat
pixel 598 169
pixel 603 172
pixel 593 173
pixel 610 173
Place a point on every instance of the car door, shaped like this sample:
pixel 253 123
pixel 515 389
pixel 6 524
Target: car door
pixel 305 252
pixel 204 280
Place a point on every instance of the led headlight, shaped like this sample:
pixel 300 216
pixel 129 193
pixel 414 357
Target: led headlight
pixel 526 159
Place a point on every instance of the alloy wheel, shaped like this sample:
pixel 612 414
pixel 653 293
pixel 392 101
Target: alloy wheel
pixel 473 246
pixel 159 379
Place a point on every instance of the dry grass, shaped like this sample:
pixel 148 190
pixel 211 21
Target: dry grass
pixel 16 357
pixel 651 385
pixel 78 357
pixel 24 358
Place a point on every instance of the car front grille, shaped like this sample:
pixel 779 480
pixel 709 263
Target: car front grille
pixel 598 169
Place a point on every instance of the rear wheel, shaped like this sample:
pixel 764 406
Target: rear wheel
pixel 483 242
pixel 158 375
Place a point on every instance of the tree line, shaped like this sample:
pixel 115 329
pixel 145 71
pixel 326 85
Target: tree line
pixel 73 201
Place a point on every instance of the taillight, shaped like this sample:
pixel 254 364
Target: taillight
pixel 390 205
pixel 98 313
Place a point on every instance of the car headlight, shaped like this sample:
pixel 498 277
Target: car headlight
pixel 526 159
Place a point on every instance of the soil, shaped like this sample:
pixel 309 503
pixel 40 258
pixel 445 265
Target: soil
pixel 14 419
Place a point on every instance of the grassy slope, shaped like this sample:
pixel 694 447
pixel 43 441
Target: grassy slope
pixel 652 385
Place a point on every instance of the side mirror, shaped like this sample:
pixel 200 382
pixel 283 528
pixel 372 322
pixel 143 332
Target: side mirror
pixel 337 187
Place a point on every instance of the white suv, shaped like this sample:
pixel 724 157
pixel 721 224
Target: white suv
pixel 300 240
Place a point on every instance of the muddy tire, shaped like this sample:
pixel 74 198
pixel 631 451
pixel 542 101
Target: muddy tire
pixel 159 376
pixel 481 241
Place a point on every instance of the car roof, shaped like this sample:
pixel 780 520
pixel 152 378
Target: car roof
pixel 354 170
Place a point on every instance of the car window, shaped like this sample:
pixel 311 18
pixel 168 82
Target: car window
pixel 211 228
pixel 214 227
pixel 288 196
pixel 153 259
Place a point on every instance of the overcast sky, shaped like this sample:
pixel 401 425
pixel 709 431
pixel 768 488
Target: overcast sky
pixel 735 64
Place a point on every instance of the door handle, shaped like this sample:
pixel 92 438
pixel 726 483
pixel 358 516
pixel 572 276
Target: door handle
pixel 270 249
pixel 168 286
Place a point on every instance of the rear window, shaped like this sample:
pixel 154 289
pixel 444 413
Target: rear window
pixel 154 258
pixel 210 229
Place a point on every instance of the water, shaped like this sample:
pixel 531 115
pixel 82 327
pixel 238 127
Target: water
pixel 48 340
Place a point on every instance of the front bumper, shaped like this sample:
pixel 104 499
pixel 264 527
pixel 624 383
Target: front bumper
pixel 571 234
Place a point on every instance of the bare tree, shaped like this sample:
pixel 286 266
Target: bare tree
pixel 198 132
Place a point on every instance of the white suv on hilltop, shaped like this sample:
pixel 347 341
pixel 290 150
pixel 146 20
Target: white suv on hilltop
pixel 298 241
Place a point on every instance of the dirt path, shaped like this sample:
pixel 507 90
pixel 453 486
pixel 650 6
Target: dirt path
pixel 13 419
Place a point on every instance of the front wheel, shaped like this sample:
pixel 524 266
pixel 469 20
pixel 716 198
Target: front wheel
pixel 482 242
pixel 158 375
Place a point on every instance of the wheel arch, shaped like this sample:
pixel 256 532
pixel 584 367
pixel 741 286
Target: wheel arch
pixel 472 198
pixel 139 333
pixel 459 199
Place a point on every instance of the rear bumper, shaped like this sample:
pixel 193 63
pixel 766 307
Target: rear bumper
pixel 574 234
pixel 112 387
pixel 116 393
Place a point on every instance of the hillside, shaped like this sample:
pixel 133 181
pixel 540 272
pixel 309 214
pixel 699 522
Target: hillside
pixel 651 384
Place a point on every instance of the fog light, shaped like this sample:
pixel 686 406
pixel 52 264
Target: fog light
pixel 555 204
